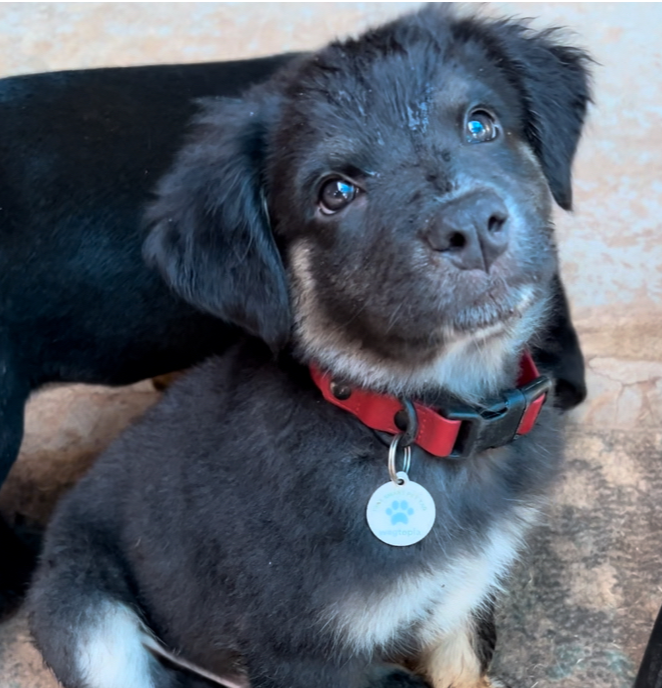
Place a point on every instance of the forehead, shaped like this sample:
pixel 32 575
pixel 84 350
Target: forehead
pixel 366 94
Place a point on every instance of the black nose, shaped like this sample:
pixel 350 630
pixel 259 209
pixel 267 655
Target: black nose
pixel 471 231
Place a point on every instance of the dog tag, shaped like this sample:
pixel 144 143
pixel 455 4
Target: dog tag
pixel 401 515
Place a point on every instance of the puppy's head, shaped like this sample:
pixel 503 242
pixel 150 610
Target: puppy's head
pixel 389 197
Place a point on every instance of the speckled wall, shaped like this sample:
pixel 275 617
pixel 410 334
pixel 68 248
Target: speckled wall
pixel 612 264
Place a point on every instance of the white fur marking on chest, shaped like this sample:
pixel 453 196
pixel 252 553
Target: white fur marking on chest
pixel 435 603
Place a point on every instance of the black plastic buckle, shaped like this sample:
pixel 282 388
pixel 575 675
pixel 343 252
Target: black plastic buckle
pixel 496 422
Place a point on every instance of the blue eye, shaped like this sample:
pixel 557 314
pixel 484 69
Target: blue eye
pixel 335 194
pixel 480 127
pixel 476 128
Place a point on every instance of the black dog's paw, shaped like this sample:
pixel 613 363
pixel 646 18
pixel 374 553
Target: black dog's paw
pixel 14 580
pixel 569 394
pixel 19 561
pixel 10 600
pixel 559 353
pixel 391 676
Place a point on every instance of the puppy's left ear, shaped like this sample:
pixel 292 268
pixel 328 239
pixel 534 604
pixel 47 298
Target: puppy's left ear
pixel 209 232
pixel 554 84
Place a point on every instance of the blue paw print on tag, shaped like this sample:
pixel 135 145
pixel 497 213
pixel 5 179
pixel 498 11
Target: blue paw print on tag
pixel 399 512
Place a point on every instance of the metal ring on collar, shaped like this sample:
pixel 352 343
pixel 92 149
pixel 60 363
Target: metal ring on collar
pixel 410 431
pixel 406 455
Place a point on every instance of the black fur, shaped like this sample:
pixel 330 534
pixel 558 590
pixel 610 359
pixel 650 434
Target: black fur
pixel 486 635
pixel 212 239
pixel 552 104
pixel 232 517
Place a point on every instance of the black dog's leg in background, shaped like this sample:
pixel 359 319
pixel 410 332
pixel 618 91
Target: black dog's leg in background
pixel 561 354
pixel 650 671
pixel 17 559
pixel 18 563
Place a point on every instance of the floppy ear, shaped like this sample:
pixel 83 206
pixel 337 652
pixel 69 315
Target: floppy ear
pixel 209 232
pixel 553 81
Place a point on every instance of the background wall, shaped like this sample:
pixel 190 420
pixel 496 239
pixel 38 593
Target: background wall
pixel 591 586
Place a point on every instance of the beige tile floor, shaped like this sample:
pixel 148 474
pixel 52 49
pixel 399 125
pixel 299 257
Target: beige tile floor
pixel 587 591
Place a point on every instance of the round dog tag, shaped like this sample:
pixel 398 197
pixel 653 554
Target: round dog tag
pixel 401 515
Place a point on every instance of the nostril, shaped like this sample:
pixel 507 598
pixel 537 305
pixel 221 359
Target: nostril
pixel 457 240
pixel 495 223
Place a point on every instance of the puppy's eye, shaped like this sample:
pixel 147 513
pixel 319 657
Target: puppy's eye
pixel 480 127
pixel 335 195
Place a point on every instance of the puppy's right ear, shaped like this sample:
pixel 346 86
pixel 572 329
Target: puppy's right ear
pixel 209 232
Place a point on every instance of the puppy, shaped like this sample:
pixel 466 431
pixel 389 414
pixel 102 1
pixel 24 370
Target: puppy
pixel 82 152
pixel 344 512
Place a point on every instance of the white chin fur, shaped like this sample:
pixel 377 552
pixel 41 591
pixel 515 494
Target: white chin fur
pixel 470 366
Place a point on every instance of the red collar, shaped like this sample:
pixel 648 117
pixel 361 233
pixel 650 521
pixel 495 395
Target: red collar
pixel 461 430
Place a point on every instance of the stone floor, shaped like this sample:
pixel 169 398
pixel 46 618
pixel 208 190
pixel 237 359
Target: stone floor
pixel 579 607
pixel 582 601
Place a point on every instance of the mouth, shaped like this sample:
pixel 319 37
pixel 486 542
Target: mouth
pixel 490 319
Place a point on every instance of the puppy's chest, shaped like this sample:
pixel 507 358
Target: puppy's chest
pixel 422 607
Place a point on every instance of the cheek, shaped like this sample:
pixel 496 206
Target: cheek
pixel 300 277
pixel 372 253
pixel 523 180
pixel 379 285
pixel 515 174
pixel 531 180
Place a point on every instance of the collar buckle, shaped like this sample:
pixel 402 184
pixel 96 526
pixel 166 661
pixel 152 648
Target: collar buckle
pixel 497 422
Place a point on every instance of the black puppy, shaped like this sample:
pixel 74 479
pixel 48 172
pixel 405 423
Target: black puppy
pixel 407 178
pixel 81 153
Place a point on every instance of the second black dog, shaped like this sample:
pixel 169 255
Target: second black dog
pixel 80 153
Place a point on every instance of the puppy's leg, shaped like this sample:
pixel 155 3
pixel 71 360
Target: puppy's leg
pixel 292 669
pixel 106 651
pixel 17 560
pixel 81 611
pixel 391 676
pixel 462 659
pixel 91 640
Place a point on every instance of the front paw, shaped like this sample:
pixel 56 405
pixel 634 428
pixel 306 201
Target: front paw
pixel 392 676
pixel 489 682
